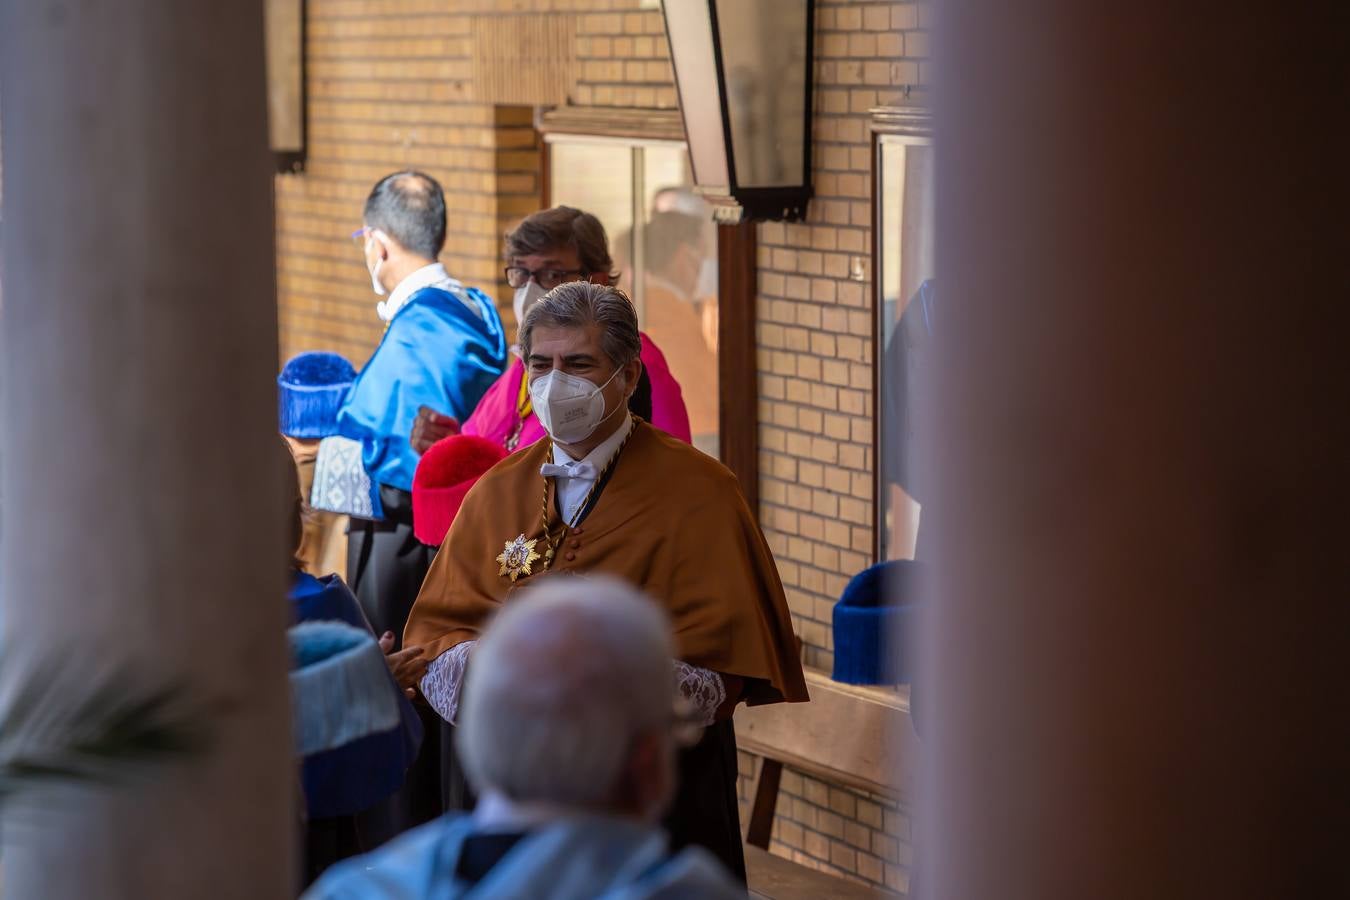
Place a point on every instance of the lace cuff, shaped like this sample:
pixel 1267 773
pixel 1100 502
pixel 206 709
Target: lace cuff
pixel 444 678
pixel 702 688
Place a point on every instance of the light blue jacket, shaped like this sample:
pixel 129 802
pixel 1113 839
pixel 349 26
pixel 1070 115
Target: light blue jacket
pixel 580 858
pixel 436 352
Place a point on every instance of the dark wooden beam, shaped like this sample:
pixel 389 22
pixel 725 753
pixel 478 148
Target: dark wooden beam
pixel 760 828
pixel 737 370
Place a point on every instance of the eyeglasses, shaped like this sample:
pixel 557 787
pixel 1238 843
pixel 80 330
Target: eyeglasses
pixel 548 279
pixel 359 236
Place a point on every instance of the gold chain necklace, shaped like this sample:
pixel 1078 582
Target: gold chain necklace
pixel 545 518
pixel 519 556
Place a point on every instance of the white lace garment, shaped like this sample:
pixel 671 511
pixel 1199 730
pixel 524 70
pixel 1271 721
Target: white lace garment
pixel 701 688
pixel 444 678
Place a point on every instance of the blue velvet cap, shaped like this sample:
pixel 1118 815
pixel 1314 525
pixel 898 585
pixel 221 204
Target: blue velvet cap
pixel 874 622
pixel 312 386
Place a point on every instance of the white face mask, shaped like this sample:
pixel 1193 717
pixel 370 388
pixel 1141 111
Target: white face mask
pixel 375 272
pixel 525 298
pixel 569 408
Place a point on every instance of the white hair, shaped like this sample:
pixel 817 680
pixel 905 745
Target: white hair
pixel 567 675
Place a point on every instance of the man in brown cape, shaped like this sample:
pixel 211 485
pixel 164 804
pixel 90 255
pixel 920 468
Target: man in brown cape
pixel 609 493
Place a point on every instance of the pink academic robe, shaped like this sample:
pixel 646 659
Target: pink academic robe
pixel 495 415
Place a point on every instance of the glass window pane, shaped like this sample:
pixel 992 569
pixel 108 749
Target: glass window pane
pixel 906 315
pixel 596 177
pixel 764 57
pixel 669 269
pixel 679 284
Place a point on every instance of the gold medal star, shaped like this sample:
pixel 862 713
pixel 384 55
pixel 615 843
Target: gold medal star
pixel 518 557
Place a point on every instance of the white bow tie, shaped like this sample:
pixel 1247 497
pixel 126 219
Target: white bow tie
pixel 584 470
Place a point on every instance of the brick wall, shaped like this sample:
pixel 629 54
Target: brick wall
pixel 391 85
pixel 860 836
pixel 390 88
pixel 519 184
pixel 625 60
pixel 815 319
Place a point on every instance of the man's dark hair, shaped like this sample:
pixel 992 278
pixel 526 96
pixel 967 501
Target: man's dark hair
pixel 562 226
pixel 410 208
pixel 579 303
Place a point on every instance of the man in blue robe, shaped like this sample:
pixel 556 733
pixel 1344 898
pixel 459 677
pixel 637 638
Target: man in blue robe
pixel 443 347
pixel 569 739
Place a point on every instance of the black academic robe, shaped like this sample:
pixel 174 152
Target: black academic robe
pixel 385 568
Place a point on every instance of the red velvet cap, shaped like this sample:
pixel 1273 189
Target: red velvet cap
pixel 444 475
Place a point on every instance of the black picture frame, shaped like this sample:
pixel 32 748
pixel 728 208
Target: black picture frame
pixel 286 25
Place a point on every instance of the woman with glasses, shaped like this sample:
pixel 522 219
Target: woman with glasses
pixel 549 248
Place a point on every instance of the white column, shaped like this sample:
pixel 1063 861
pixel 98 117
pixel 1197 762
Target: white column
pixel 143 513
pixel 1134 671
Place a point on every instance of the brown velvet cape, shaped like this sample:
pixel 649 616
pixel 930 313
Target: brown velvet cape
pixel 670 519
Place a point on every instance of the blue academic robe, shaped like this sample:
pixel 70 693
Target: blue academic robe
pixel 437 353
pixel 357 775
pixel 581 858
pixel 324 599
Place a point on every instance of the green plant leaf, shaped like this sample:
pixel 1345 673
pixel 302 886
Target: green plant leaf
pixel 56 730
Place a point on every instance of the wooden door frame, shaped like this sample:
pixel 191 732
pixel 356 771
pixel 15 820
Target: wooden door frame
pixel 737 356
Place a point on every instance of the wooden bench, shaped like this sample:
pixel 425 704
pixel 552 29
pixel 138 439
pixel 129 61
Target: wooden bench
pixel 854 736
pixel 775 878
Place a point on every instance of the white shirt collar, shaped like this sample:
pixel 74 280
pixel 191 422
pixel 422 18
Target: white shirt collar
pixel 433 275
pixel 598 457
pixel 572 491
pixel 497 812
